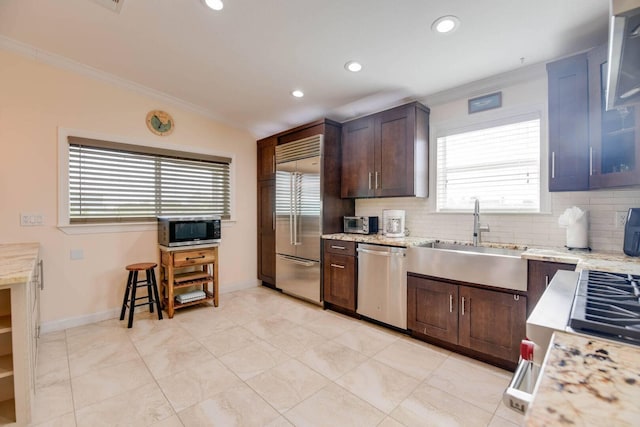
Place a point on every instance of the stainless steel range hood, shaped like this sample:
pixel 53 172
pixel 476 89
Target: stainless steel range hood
pixel 623 81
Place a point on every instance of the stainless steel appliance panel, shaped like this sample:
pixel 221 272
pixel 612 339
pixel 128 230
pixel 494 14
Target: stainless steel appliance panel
pixel 297 276
pixel 382 284
pixel 298 217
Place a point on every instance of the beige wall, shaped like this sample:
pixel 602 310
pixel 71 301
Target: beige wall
pixel 35 100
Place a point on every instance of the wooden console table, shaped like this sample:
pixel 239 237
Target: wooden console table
pixel 184 267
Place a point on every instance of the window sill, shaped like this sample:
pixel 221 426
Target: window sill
pixel 74 229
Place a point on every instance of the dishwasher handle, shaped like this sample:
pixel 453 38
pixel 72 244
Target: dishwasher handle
pixel 382 253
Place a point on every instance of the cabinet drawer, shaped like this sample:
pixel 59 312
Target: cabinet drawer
pixel 340 247
pixel 202 256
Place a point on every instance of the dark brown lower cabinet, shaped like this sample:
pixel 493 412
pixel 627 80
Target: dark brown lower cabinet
pixel 539 276
pixel 266 233
pixel 339 274
pixel 487 322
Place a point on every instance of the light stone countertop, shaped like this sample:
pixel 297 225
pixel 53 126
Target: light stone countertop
pixel 585 260
pixel 587 382
pixel 616 262
pixel 17 261
pixel 380 239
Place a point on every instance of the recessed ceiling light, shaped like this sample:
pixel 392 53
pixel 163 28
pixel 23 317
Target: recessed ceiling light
pixel 213 4
pixel 353 66
pixel 445 24
pixel 297 93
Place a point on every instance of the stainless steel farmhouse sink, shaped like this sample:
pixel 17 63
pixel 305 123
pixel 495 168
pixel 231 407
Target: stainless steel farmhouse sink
pixel 499 267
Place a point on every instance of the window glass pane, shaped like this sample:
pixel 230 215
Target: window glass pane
pixel 499 165
pixel 110 185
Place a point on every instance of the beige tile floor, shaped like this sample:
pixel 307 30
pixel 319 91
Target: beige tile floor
pixel 260 359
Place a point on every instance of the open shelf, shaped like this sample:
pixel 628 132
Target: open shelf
pixel 5 324
pixel 7 411
pixel 190 279
pixel 6 365
pixel 207 299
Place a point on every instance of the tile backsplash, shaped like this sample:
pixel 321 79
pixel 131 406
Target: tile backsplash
pixel 523 229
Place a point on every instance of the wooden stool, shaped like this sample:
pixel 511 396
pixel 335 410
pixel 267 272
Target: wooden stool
pixel 133 283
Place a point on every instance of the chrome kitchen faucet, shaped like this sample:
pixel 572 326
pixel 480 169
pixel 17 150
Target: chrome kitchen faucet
pixel 477 227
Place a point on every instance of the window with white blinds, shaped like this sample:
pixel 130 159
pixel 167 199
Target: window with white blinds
pixel 499 165
pixel 113 182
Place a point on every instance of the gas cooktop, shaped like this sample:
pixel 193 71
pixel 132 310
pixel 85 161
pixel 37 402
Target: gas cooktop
pixel 607 305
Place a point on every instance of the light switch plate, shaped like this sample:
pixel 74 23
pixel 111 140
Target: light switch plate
pixel 31 219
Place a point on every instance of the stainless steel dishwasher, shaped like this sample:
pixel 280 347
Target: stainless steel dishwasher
pixel 382 284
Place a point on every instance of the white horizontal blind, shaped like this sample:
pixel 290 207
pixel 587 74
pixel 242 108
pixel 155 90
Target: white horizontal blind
pixel 114 185
pixel 498 165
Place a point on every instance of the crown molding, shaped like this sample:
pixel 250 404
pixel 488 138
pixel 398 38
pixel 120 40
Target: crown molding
pixel 62 62
pixel 487 85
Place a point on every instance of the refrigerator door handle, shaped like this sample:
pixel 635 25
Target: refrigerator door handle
pixel 291 196
pixel 297 185
pixel 297 261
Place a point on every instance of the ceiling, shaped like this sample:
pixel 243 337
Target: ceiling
pixel 239 65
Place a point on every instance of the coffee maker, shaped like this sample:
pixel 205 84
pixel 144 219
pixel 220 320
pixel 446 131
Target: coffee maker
pixel 393 222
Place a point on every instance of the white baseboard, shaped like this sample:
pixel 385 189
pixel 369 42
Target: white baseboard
pixel 72 322
pixel 238 286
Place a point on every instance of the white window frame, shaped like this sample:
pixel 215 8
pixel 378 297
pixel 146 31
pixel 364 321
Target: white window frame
pixel 116 227
pixel 487 120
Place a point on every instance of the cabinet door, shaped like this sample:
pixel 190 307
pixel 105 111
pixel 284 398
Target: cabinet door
pixel 358 158
pixel 266 232
pixel 568 124
pixel 614 134
pixel 340 280
pixel 539 275
pixel 394 152
pixel 432 308
pixel 492 322
pixel 267 158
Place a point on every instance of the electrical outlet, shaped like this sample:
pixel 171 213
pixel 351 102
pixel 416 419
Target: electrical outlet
pixel 620 219
pixel 31 219
pixel 76 254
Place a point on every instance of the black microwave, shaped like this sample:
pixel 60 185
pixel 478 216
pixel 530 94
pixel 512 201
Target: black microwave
pixel 188 231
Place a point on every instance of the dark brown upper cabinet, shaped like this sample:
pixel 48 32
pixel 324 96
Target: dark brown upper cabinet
pixel 614 135
pixel 589 147
pixel 568 124
pixel 386 154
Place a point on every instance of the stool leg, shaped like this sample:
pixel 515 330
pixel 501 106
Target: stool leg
pixel 132 306
pixel 126 295
pixel 149 291
pixel 154 285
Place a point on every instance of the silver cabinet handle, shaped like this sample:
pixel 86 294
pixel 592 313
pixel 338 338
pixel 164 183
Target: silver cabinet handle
pixel 463 306
pixel 273 221
pixel 338 247
pixel 41 266
pixel 553 164
pixel 377 173
pixel 337 266
pixel 546 281
pixel 370 180
pixel 590 161
pixel 450 303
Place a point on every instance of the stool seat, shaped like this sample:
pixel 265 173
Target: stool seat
pixel 133 283
pixel 141 266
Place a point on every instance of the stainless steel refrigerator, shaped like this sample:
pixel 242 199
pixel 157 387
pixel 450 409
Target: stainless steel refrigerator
pixel 298 217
